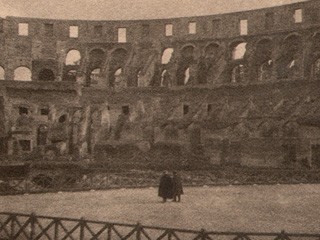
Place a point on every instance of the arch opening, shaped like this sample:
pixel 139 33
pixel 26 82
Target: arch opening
pixel 95 77
pixel 2 73
pixel 167 55
pixel 186 76
pixel 265 71
pixel 186 60
pixel 239 51
pixel 22 74
pixel 263 59
pixel 290 55
pixel 46 75
pixel 117 63
pixel 238 74
pixel 73 58
pixel 211 51
pixel 96 58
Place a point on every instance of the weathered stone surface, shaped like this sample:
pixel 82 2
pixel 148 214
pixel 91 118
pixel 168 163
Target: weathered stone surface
pixel 222 96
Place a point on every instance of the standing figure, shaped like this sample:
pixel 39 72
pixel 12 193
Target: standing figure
pixel 177 187
pixel 165 187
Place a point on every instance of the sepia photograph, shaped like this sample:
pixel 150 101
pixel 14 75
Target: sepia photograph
pixel 160 120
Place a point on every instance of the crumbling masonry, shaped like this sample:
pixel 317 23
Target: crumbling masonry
pixel 240 88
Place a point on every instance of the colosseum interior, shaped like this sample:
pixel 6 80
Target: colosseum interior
pixel 231 89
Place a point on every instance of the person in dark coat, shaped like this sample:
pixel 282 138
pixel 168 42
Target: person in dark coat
pixel 165 187
pixel 177 187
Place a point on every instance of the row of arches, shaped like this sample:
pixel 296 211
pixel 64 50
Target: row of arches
pixel 95 66
pixel 24 74
pixel 264 61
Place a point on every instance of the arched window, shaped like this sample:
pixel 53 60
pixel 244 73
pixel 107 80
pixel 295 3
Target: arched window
pixel 1 73
pixel 166 56
pixel 186 60
pixel 22 74
pixel 238 74
pixel 211 51
pixel 117 62
pixel 140 81
pixel 96 58
pixel 71 76
pixel 119 55
pixel 95 77
pixel 265 71
pixel 262 59
pixel 187 53
pixel 239 51
pixel 291 52
pixel 73 57
pixel 186 76
pixel 46 75
pixel 163 78
pixel 117 75
pixel 63 118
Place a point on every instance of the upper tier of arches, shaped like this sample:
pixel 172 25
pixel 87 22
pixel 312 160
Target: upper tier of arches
pixel 237 48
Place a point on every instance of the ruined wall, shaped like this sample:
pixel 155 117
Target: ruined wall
pixel 230 88
pixel 279 44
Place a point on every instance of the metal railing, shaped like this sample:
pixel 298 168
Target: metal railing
pixel 34 227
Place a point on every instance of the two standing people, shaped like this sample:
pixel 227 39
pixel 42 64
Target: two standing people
pixel 170 187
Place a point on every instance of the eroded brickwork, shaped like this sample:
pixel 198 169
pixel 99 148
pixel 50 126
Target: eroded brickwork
pixel 238 88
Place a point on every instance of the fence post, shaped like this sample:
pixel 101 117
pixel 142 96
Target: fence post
pixel 82 224
pixel 12 227
pixel 203 234
pixel 284 235
pixel 56 229
pixel 138 229
pixel 109 230
pixel 170 234
pixel 32 225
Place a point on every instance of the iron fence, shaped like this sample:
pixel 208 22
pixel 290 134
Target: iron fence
pixel 34 227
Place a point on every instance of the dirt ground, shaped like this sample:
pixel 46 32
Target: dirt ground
pixel 293 208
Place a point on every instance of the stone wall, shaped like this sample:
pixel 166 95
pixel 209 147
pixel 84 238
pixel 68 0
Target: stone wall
pixel 230 89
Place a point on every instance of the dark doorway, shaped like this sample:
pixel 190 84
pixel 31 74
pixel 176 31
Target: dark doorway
pixel 290 154
pixel 125 110
pixel 3 146
pixel 46 75
pixel 315 155
pixel 42 135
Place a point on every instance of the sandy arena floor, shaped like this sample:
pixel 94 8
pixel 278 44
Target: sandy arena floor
pixel 294 208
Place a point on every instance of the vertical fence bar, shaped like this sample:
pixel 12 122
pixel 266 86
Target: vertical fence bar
pixel 109 231
pixel 56 229
pixel 203 234
pixel 13 218
pixel 138 229
pixel 32 225
pixel 82 224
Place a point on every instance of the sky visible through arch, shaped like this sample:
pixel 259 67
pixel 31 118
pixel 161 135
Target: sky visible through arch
pixel 128 9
